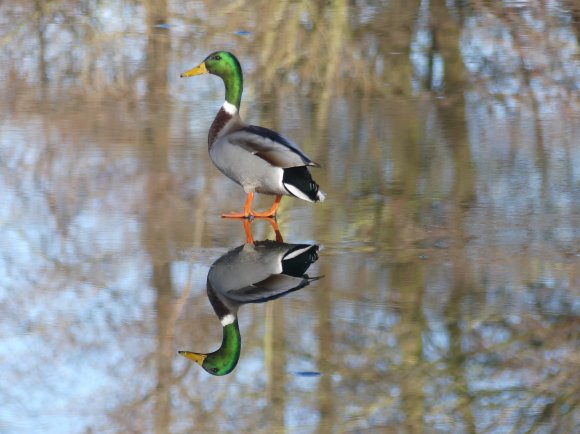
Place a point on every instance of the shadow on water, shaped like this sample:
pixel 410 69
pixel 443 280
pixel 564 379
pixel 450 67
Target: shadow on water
pixel 255 272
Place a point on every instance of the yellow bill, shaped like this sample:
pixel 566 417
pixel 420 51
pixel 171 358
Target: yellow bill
pixel 198 70
pixel 196 357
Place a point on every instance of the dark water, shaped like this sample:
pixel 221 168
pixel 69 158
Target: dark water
pixel 449 242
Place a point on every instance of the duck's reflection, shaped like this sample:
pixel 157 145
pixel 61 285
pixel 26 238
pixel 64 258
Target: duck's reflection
pixel 254 272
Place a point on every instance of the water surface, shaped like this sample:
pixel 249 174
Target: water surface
pixel 449 241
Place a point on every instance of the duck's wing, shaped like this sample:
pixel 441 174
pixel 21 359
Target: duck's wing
pixel 275 286
pixel 270 146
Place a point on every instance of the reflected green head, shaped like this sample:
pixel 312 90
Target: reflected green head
pixel 224 360
pixel 213 363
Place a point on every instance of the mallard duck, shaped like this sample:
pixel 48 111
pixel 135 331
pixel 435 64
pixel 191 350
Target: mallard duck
pixel 250 273
pixel 258 159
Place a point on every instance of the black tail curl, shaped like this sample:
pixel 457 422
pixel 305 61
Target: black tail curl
pixel 299 178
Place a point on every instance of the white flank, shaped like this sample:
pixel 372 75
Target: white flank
pixel 297 252
pixel 228 319
pixel 229 108
pixel 321 196
pixel 297 192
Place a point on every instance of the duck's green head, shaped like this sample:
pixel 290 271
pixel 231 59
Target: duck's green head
pixel 225 65
pixel 224 360
pixel 220 63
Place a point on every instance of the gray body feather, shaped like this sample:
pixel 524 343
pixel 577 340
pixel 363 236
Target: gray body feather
pixel 255 273
pixel 255 157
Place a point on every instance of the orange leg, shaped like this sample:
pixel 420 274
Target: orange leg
pixel 247 208
pixel 272 211
pixel 247 213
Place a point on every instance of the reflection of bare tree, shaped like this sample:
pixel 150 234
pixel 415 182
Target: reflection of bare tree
pixel 157 237
pixel 445 30
pixel 463 291
pixel 157 232
pixel 411 343
pixel 276 350
pixel 327 355
pixel 41 29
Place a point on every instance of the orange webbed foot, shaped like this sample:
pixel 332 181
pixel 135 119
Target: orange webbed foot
pixel 249 214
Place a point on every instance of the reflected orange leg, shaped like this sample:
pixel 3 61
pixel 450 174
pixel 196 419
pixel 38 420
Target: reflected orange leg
pixel 247 213
pixel 276 228
pixel 248 231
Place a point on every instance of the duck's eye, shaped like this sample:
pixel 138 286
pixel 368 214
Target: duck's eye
pixel 217 57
